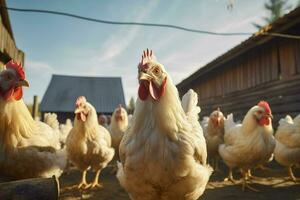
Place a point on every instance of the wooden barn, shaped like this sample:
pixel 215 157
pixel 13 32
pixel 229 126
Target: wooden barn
pixel 263 67
pixel 104 93
pixel 8 48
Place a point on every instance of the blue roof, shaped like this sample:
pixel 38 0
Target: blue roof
pixel 104 93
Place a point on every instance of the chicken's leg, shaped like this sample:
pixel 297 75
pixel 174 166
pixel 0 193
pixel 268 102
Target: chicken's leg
pixel 83 184
pixel 250 176
pixel 291 174
pixel 96 180
pixel 245 181
pixel 264 168
pixel 230 177
pixel 216 165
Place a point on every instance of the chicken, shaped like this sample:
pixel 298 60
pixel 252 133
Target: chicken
pixel 64 130
pixel 88 144
pixel 204 122
pixel 287 150
pixel 250 143
pixel 163 152
pixel 108 120
pixel 102 120
pixel 61 129
pixel 28 148
pixel 117 128
pixel 214 135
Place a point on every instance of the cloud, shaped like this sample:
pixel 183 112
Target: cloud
pixel 117 43
pixel 238 24
pixel 39 66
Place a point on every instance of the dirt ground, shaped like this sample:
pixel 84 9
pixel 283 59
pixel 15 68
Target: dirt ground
pixel 271 186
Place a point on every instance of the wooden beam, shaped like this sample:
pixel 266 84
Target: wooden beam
pixel 31 189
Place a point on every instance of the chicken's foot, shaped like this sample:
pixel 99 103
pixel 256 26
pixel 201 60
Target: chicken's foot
pixel 230 177
pixel 96 180
pixel 245 183
pixel 291 174
pixel 83 184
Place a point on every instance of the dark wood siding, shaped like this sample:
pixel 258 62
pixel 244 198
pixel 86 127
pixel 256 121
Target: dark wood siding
pixel 270 71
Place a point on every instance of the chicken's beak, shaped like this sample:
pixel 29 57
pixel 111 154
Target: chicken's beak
pixel 78 110
pixel 269 115
pixel 145 77
pixel 24 83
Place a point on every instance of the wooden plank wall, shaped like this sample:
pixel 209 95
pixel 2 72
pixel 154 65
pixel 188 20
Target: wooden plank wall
pixel 269 72
pixel 283 96
pixel 257 67
pixel 8 48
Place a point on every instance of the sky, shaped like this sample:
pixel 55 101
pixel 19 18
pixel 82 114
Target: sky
pixel 68 46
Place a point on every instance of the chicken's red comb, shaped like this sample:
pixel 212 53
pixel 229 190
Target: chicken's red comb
pixel 80 100
pixel 17 67
pixel 265 105
pixel 147 56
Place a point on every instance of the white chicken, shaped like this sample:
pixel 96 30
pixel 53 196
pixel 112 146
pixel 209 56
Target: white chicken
pixel 61 129
pixel 88 144
pixel 249 144
pixel 64 130
pixel 28 148
pixel 287 150
pixel 117 128
pixel 163 152
pixel 214 135
pixel 204 122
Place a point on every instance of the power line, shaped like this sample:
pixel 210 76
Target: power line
pixel 144 24
pixel 121 23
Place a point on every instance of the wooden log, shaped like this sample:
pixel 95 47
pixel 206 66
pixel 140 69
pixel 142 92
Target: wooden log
pixel 31 189
pixel 35 107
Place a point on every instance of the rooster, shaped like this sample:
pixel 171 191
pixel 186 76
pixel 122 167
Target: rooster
pixel 118 126
pixel 250 143
pixel 163 152
pixel 214 135
pixel 28 148
pixel 287 150
pixel 88 144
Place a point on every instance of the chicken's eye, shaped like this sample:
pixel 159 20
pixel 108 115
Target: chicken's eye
pixel 259 112
pixel 156 71
pixel 7 77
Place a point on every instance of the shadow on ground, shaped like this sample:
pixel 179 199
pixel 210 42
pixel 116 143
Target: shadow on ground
pixel 271 186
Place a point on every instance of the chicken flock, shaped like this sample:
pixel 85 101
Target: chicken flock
pixel 161 151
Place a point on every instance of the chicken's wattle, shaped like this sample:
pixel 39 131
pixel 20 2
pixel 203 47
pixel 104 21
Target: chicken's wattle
pixel 119 118
pixel 81 116
pixel 264 121
pixel 13 93
pixel 143 90
pixel 147 88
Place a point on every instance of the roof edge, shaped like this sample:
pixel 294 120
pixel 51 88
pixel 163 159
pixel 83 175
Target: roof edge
pixel 257 38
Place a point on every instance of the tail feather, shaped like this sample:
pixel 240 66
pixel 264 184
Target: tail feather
pixel 189 104
pixel 288 119
pixel 51 120
pixel 204 122
pixel 229 122
pixel 65 130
